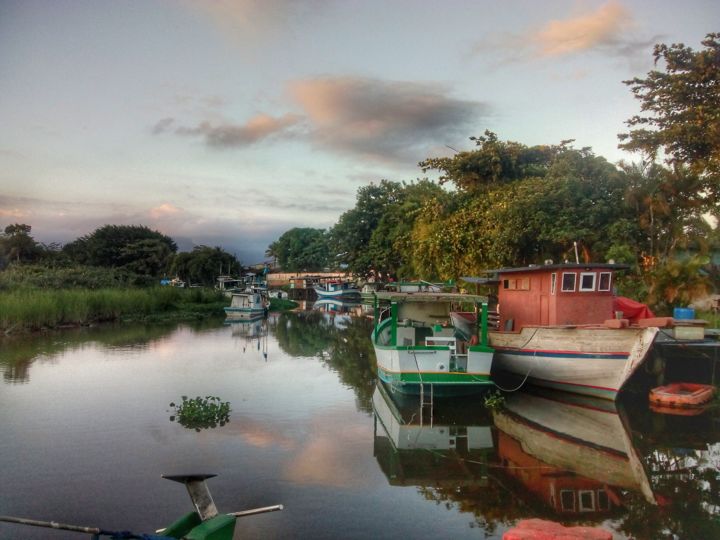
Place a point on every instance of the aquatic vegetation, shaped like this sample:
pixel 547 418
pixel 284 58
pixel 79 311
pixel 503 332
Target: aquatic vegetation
pixel 201 412
pixel 494 400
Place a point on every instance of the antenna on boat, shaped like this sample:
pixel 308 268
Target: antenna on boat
pixel 577 259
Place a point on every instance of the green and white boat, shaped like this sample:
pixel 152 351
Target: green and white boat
pixel 203 523
pixel 419 351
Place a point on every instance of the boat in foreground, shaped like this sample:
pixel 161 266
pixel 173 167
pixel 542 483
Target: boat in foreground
pixel 417 349
pixel 247 306
pixel 205 523
pixel 559 327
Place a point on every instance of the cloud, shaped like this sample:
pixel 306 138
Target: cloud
pixel 229 135
pixel 163 210
pixel 255 21
pixel 385 120
pixel 610 30
pixel 601 28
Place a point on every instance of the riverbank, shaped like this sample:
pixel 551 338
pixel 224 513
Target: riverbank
pixel 31 309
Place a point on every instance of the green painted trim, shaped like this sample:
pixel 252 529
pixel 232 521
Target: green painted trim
pixel 452 377
pixel 480 348
pixel 393 317
pixel 412 347
pixel 220 527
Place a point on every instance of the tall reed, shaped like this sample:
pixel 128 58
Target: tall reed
pixel 37 308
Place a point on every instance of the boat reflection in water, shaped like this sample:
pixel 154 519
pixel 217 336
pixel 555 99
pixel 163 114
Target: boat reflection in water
pixel 556 456
pixel 573 453
pixel 336 306
pixel 253 335
pixel 445 444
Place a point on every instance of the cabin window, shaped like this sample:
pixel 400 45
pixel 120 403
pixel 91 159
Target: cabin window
pixel 603 501
pixel 586 501
pixel 604 283
pixel 587 281
pixel 567 500
pixel 568 281
pixel 521 284
pixel 553 282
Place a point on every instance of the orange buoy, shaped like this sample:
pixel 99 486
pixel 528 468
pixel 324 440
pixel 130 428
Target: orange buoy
pixel 682 395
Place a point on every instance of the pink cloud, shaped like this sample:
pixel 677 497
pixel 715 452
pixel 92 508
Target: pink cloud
pixel 165 209
pixel 604 26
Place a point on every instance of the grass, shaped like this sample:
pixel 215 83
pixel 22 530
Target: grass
pixel 33 309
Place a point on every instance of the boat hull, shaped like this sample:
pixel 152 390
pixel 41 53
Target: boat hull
pixel 593 361
pixel 410 370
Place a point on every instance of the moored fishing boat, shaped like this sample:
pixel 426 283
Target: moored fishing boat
pixel 247 306
pixel 558 328
pixel 417 349
pixel 336 289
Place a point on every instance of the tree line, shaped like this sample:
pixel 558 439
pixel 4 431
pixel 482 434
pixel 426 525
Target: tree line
pixel 504 203
pixel 136 254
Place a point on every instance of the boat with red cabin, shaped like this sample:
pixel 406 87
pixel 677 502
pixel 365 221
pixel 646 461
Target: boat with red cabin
pixel 559 327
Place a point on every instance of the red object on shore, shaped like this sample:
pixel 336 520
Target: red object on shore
pixel 631 309
pixel 682 395
pixel 540 529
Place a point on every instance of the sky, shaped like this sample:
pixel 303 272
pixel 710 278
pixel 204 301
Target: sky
pixel 226 123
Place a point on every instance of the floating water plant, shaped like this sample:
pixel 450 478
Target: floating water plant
pixel 494 400
pixel 201 412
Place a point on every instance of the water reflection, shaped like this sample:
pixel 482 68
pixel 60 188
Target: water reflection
pixel 340 342
pixel 424 445
pixel 310 429
pixel 555 456
pixel 251 335
pixel 18 353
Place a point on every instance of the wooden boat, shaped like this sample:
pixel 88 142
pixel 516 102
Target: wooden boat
pixel 336 289
pixel 682 395
pixel 557 328
pixel 417 349
pixel 205 523
pixel 247 305
pixel 573 452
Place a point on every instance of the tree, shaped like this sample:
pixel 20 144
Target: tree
pixel 493 162
pixel 350 237
pixel 203 264
pixel 525 215
pixel 300 250
pixel 134 247
pixel 16 244
pixel 681 111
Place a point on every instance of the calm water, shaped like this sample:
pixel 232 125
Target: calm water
pixel 86 432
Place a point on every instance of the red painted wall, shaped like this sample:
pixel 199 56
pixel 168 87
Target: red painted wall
pixel 538 306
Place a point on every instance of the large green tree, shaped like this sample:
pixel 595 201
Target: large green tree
pixel 524 215
pixel 301 249
pixel 203 264
pixel 350 237
pixel 680 111
pixel 133 247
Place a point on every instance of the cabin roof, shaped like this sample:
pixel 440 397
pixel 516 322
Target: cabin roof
pixel 429 297
pixel 560 266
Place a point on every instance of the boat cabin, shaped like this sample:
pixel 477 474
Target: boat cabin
pixel 555 295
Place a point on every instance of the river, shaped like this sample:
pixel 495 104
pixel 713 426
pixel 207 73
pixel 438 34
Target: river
pixel 87 430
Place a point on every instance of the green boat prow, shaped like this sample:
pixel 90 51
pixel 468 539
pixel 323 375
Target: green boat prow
pixel 191 527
